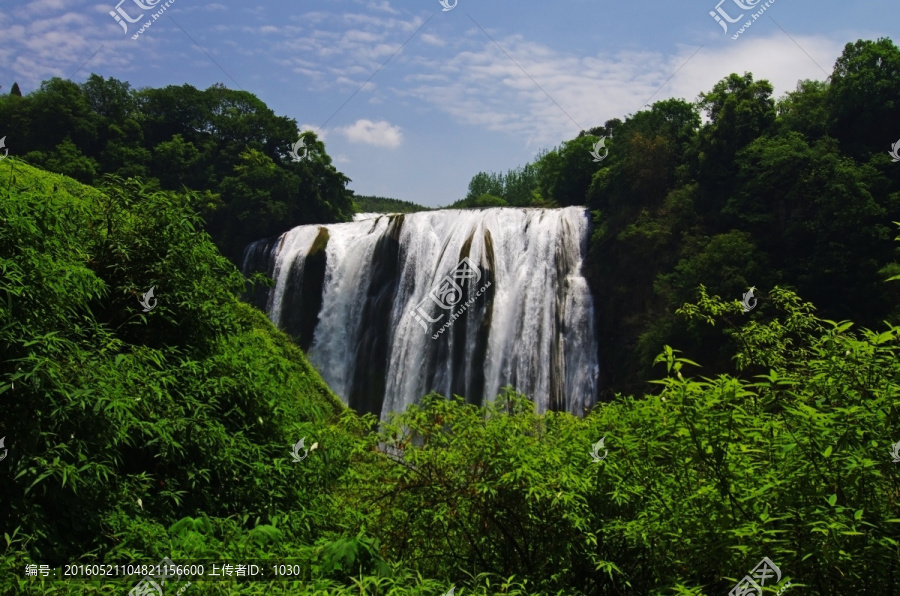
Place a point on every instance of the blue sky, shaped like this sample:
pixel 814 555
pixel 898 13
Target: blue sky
pixel 454 100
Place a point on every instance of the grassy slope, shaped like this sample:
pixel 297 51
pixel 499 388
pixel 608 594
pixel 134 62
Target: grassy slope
pixel 17 176
pixel 121 423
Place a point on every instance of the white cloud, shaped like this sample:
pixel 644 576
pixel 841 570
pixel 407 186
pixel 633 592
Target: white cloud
pixel 483 87
pixel 463 76
pixel 432 39
pixel 380 134
pixel 385 6
pixel 321 133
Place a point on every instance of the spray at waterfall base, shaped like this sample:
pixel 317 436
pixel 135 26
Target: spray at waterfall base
pixel 459 313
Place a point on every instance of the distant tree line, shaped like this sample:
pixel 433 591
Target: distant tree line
pixel 227 145
pixel 371 204
pixel 799 192
pixel 517 188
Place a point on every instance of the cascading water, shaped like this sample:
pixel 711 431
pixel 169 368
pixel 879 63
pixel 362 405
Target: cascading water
pixel 465 302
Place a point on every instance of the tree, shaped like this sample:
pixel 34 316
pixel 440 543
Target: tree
pixel 182 137
pixel 564 174
pixel 60 110
pixel 822 217
pixel 805 110
pixel 673 119
pixel 520 184
pixel 124 153
pixel 865 85
pixel 125 422
pixel 240 120
pixel 515 188
pixel 68 159
pixel 109 98
pixel 172 110
pixel 257 202
pixel 15 90
pixel 176 161
pixel 607 130
pixel 740 110
pixel 484 183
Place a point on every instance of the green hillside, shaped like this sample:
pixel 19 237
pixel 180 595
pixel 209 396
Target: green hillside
pixel 134 434
pixel 732 189
pixel 372 204
pixel 225 144
pixel 135 437
pixel 119 422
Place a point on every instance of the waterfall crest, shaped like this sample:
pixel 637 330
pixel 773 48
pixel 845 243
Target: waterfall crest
pixel 391 307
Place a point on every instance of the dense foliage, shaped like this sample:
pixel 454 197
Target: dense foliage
pixel 136 436
pixel 516 188
pixel 370 204
pixel 227 145
pixel 799 192
pixel 701 480
pixel 131 436
pixel 118 422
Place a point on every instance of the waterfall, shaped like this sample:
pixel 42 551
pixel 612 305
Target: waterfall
pixel 465 302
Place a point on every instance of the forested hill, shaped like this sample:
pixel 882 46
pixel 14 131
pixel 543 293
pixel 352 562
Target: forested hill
pixel 799 191
pixel 121 420
pixel 138 429
pixel 369 204
pixel 134 434
pixel 226 144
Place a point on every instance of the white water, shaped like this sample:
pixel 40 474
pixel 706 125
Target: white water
pixel 532 328
pixel 291 250
pixel 349 255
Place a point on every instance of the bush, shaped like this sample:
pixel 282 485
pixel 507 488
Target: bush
pixel 135 436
